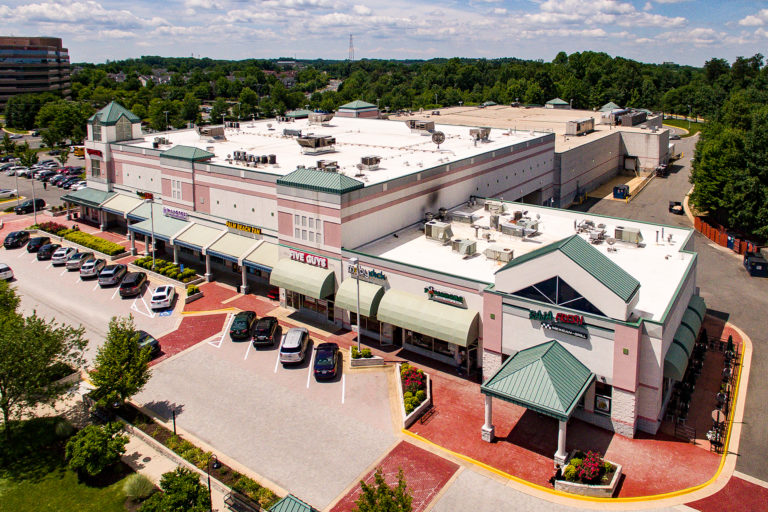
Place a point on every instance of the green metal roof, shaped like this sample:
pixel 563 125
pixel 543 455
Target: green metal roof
pixel 305 279
pixel 557 101
pixel 87 197
pixel 590 259
pixel 190 153
pixel 163 227
pixel 609 106
pixel 110 114
pixel 370 296
pixel 545 378
pixel 675 362
pixel 357 105
pixel 320 181
pixel 291 504
pixel 298 114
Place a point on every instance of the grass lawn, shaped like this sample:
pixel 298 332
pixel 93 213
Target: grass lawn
pixel 679 123
pixel 15 130
pixel 34 476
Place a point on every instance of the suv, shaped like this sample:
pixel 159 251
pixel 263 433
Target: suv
pixel 36 243
pixel 266 331
pixel 16 239
pixel 29 206
pixel 92 267
pixel 47 251
pixel 76 260
pixel 132 284
pixel 147 340
pixel 61 255
pixel 294 345
pixel 5 272
pixel 112 274
pixel 242 325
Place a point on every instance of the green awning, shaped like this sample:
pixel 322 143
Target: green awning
pixel 87 197
pixel 692 321
pixel 685 338
pixel 675 362
pixel 305 279
pixel 370 296
pixel 545 378
pixel 164 227
pixel 419 314
pixel 698 305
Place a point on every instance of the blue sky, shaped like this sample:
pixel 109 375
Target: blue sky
pixel 682 31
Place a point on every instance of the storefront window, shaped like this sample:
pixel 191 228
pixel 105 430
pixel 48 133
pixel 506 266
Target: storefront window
pixel 603 394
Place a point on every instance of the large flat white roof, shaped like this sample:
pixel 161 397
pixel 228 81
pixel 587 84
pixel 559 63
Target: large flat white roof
pixel 658 266
pixel 401 151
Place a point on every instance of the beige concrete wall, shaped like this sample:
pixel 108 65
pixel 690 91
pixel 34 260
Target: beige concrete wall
pixel 650 148
pixel 588 166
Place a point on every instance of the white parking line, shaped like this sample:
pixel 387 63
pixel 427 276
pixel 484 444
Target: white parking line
pixel 22 254
pixel 64 271
pixel 96 285
pixel 33 259
pixel 343 386
pixel 277 359
pixel 117 289
pixel 149 313
pixel 50 265
pixel 311 367
pixel 248 350
pixel 228 324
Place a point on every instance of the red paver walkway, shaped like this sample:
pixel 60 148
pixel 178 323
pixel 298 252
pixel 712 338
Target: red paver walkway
pixel 191 331
pixel 261 305
pixel 213 296
pixel 527 441
pixel 737 494
pixel 425 474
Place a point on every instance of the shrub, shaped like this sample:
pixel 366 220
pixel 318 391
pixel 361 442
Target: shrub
pixel 356 353
pixel 366 352
pixel 570 473
pixel 95 448
pixel 421 395
pixel 138 487
pixel 63 429
pixel 591 469
pixel 192 289
pixel 91 242
pixel 413 379
pixel 407 395
pixel 410 404
pixel 575 462
pixel 50 227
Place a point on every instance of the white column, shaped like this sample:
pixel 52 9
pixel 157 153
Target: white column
pixel 489 431
pixel 176 254
pixel 560 454
pixel 207 268
pixel 102 220
pixel 244 286
pixel 132 236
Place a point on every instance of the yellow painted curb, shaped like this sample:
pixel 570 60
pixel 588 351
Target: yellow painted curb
pixel 209 312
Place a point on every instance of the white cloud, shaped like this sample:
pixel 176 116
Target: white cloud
pixel 755 20
pixel 202 4
pixel 498 11
pixel 362 10
pixel 116 34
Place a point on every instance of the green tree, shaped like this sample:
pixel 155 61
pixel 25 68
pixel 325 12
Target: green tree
pixel 9 145
pixel 66 118
pixel 190 108
pixel 219 108
pixel 29 349
pixel 50 137
pixel 380 497
pixel 63 157
pixel 182 492
pixel 21 110
pixel 95 448
pixel 26 155
pixel 121 368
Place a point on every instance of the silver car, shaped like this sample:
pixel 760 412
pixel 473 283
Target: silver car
pixel 61 255
pixel 294 345
pixel 76 260
pixel 112 274
pixel 92 267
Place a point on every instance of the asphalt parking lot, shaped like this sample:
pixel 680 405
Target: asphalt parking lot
pixel 309 437
pixel 56 293
pixel 51 194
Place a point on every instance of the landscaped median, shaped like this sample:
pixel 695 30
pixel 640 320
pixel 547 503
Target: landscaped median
pixel 587 474
pixel 78 237
pixel 414 391
pixel 167 269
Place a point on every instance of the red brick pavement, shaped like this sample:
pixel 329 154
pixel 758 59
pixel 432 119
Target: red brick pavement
pixel 191 331
pixel 213 296
pixel 425 474
pixel 261 305
pixel 737 494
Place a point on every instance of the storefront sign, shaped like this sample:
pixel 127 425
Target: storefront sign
pixel 243 227
pixel 562 318
pixel 309 259
pixel 445 297
pixel 94 152
pixel 571 329
pixel 174 213
pixel 367 274
pixel 145 195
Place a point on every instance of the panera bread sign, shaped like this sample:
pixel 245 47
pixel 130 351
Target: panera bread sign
pixel 309 259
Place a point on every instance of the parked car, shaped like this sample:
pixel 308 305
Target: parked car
pixel 294 346
pixel 6 273
pixel 147 340
pixel 327 361
pixel 46 251
pixel 53 151
pixel 266 332
pixel 132 284
pixel 44 175
pixel 61 255
pixel 56 179
pixel 242 325
pixel 67 184
pixel 47 162
pixel 24 172
pixel 112 274
pixel 162 297
pixel 16 136
pixel 16 239
pixel 7 192
pixel 36 243
pixel 92 267
pixel 674 136
pixel 79 185
pixel 76 260
pixel 6 159
pixel 29 206
pixel 73 171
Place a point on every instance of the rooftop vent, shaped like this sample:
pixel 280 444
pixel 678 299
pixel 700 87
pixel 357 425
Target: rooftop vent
pixel 315 144
pixel 320 118
pixel 420 127
pixel 369 163
pixel 288 132
pixel 480 134
pixel 215 132
pixel 436 230
pixel 499 253
pixel 494 206
pixel 463 217
pixel 328 165
pixel 631 235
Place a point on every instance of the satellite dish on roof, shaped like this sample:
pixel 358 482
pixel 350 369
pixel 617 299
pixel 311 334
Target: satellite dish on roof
pixel 438 138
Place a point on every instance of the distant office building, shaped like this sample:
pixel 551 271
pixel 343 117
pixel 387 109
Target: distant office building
pixel 33 65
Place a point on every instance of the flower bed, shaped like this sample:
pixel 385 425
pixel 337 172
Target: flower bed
pixel 587 474
pixel 80 238
pixel 415 392
pixel 167 269
pixel 364 358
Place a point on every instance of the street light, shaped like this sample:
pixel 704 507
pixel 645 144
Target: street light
pixel 34 200
pixel 152 226
pixel 214 463
pixel 166 119
pixel 689 118
pixel 356 263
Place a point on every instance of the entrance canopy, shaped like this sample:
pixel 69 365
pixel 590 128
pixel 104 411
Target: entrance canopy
pixel 121 204
pixel 370 296
pixel 87 197
pixel 304 279
pixel 418 314
pixel 232 247
pixel 164 227
pixel 545 378
pixel 264 257
pixel 197 237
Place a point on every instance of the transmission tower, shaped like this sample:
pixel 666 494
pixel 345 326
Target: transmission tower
pixel 351 49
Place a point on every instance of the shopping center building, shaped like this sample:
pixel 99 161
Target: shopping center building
pixel 442 239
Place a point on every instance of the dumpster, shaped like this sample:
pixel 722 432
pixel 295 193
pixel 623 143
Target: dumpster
pixel 755 264
pixel 621 191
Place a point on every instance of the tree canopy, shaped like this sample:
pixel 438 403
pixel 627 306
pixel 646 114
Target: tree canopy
pixel 181 492
pixel 380 497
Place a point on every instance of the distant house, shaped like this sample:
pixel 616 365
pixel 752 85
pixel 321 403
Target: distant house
pixel 117 77
pixel 358 108
pixel 557 103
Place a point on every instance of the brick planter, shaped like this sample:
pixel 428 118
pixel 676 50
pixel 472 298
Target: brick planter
pixel 193 297
pixel 161 277
pixel 410 419
pixel 362 362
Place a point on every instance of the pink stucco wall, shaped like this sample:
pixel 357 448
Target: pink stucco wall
pixel 626 365
pixel 202 199
pixel 492 327
pixel 332 234
pixel 285 223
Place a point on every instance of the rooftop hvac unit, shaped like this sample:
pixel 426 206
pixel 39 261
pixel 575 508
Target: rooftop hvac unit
pixel 325 165
pixel 370 163
pixel 499 253
pixel 631 235
pixel 436 230
pixel 464 247
pixel 314 144
pixel 463 217
pixel 216 132
pixel 494 206
pixel 291 133
pixel 320 118
pixel 480 134
pixel 580 127
pixel 421 127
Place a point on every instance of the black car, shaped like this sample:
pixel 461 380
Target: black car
pixel 46 251
pixel 327 361
pixel 242 325
pixel 36 243
pixel 56 179
pixel 266 332
pixel 45 175
pixel 147 340
pixel 29 206
pixel 16 239
pixel 132 284
pixel 67 184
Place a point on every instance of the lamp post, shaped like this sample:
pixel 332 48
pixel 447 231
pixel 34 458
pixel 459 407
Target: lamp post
pixel 34 200
pixel 18 196
pixel 356 263
pixel 152 227
pixel 214 463
pixel 689 118
pixel 166 119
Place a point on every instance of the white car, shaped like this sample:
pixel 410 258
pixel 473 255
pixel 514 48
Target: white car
pixel 7 192
pixel 162 297
pixel 61 255
pixel 5 272
pixel 79 185
pixel 24 172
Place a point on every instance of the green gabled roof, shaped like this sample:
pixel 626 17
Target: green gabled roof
pixel 190 153
pixel 609 106
pixel 557 101
pixel 320 181
pixel 545 378
pixel 112 112
pixel 357 105
pixel 298 114
pixel 590 259
pixel 291 504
